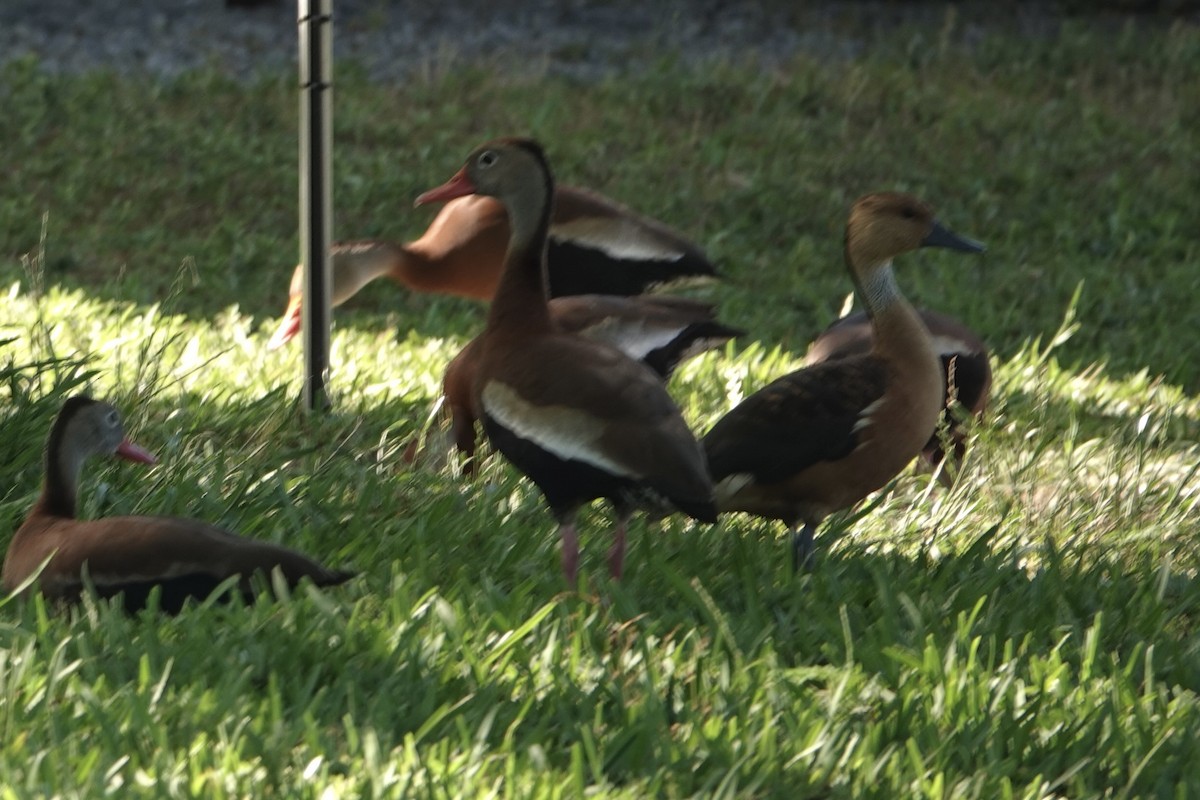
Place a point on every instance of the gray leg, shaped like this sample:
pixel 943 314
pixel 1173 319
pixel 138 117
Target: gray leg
pixel 802 548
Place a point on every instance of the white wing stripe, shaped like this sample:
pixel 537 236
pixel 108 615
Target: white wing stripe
pixel 565 432
pixel 616 239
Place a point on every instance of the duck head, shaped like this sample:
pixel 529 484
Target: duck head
pixel 87 427
pixel 887 224
pixel 514 171
pixel 349 271
pixel 293 315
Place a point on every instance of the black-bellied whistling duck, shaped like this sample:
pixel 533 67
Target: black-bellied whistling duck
pixel 822 438
pixel 579 417
pixel 658 330
pixel 131 555
pixel 596 246
pixel 966 375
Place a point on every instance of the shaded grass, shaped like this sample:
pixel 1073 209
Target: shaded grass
pixel 1031 633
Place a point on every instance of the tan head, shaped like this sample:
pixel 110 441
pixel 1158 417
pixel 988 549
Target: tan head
pixel 887 224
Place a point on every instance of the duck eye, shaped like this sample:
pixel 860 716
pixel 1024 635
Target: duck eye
pixel 487 158
pixel 113 419
pixel 908 212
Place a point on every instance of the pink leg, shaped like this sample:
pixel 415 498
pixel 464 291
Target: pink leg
pixel 616 555
pixel 570 551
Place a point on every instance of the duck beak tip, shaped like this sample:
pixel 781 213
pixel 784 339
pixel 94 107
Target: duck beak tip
pixel 458 186
pixel 133 452
pixel 289 326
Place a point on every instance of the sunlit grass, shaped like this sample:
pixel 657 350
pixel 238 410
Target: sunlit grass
pixel 1029 633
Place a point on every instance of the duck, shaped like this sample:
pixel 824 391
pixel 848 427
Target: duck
pixel 820 439
pixel 128 556
pixel 578 417
pixel 661 331
pixel 595 246
pixel 966 377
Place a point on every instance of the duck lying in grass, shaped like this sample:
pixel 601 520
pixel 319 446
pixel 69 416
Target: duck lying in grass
pixel 130 556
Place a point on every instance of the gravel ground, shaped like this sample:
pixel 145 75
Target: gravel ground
pixel 389 38
pixel 583 38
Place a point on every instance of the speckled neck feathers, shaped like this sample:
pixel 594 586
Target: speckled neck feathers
pixel 878 288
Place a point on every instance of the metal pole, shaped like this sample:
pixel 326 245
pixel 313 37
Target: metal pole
pixel 315 20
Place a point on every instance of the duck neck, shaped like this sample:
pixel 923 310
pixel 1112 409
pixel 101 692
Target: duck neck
pixel 61 485
pixel 878 288
pixel 898 328
pixel 357 264
pixel 520 301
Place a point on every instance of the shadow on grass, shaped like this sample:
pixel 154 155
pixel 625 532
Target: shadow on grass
pixel 708 662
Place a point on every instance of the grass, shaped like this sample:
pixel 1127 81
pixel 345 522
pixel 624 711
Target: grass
pixel 1029 634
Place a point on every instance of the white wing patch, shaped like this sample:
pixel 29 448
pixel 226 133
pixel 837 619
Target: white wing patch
pixel 617 238
pixel 635 339
pixel 728 487
pixel 950 346
pixel 565 432
pixel 864 417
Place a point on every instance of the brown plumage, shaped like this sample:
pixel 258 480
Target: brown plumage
pixel 658 330
pixel 579 417
pixel 966 375
pixel 596 246
pixel 821 439
pixel 131 555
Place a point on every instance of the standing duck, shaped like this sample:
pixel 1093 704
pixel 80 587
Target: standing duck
pixel 596 246
pixel 130 555
pixel 821 439
pixel 579 417
pixel 658 330
pixel 966 375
